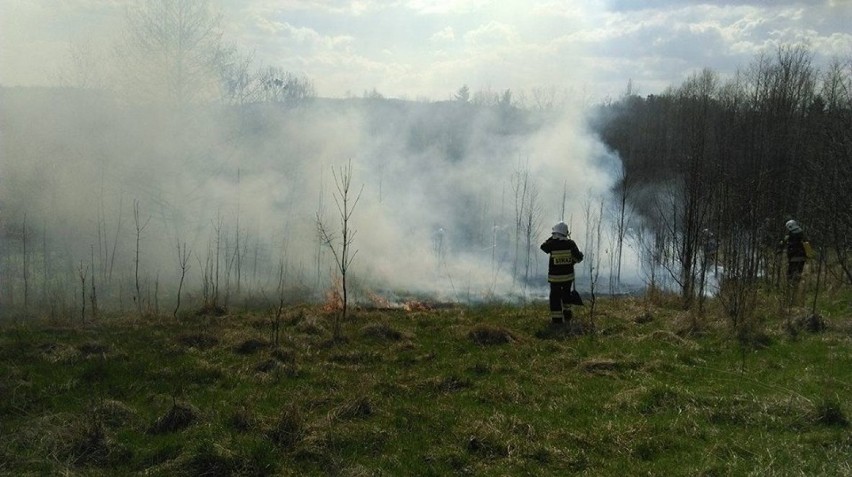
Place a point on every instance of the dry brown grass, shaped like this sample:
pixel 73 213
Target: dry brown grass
pixel 487 335
pixel 178 417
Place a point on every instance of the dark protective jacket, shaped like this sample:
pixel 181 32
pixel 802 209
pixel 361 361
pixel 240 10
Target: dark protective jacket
pixel 563 255
pixel 794 243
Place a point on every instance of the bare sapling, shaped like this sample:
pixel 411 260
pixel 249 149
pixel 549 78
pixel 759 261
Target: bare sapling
pixel 320 244
pixel 183 259
pixel 82 274
pixel 45 270
pixel 93 296
pixel 593 255
pixel 140 226
pixel 276 326
pixel 120 296
pixel 206 279
pixel 237 250
pixel 520 184
pixel 820 262
pixel 218 229
pixel 254 280
pixel 26 267
pixel 342 250
pixel 495 230
pixel 102 237
pixel 229 262
pixel 624 192
pixel 156 295
pixel 115 240
pixel 647 261
pixel 531 229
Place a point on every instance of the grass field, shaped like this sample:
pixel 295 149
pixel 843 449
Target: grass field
pixel 484 390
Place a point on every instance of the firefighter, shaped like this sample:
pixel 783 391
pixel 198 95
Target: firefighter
pixel 560 271
pixel 794 243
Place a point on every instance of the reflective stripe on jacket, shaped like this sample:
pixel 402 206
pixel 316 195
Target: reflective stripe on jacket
pixel 563 255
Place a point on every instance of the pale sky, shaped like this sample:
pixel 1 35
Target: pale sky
pixel 428 49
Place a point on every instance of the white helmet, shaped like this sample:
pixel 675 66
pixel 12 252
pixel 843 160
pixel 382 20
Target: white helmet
pixel 793 226
pixel 561 229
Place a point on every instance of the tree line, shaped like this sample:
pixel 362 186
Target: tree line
pixel 729 161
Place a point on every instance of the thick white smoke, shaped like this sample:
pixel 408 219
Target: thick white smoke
pixel 436 215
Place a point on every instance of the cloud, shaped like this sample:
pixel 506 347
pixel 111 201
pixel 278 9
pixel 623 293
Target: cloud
pixel 433 44
pixel 492 34
pixel 443 36
pixel 444 7
pixel 303 36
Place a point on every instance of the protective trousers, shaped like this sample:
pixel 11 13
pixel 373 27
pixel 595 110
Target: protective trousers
pixel 560 294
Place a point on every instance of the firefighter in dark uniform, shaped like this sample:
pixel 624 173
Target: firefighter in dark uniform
pixel 794 242
pixel 560 271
